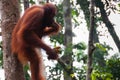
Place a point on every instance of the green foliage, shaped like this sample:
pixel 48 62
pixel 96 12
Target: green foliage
pixel 26 69
pixel 101 47
pixel 32 1
pixel 1 58
pixel 114 66
pixel 119 4
pixel 100 67
pixel 79 54
pixel 57 38
pixel 80 73
pixel 59 17
pixel 119 7
pixel 96 75
pixel 1 54
pixel 84 5
pixel 109 72
pixel 80 57
pixel 80 45
pixel 55 72
pixel 99 54
pixel 75 13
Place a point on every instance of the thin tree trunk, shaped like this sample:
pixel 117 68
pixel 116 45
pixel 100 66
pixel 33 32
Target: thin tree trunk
pixel 26 4
pixel 90 43
pixel 84 4
pixel 10 15
pixel 68 37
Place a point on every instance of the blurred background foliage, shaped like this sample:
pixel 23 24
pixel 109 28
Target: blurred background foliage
pixel 105 67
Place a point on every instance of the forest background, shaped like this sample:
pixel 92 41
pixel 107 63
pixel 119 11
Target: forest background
pixel 75 17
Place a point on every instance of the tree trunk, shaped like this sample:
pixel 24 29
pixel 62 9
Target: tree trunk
pixel 84 4
pixel 107 22
pixel 10 15
pixel 67 58
pixel 26 4
pixel 90 43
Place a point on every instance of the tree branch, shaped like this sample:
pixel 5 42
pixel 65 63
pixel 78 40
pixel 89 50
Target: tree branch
pixel 67 69
pixel 107 22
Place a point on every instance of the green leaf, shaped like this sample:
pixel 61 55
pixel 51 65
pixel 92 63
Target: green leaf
pixel 80 45
pixel 32 2
pixel 101 47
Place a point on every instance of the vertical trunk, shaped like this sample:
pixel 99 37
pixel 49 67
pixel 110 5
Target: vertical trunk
pixel 26 4
pixel 68 37
pixel 10 14
pixel 84 4
pixel 90 43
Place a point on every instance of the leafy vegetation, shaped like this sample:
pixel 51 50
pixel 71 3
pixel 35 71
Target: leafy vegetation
pixel 1 54
pixel 104 66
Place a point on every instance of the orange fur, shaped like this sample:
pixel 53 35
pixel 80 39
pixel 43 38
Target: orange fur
pixel 37 21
